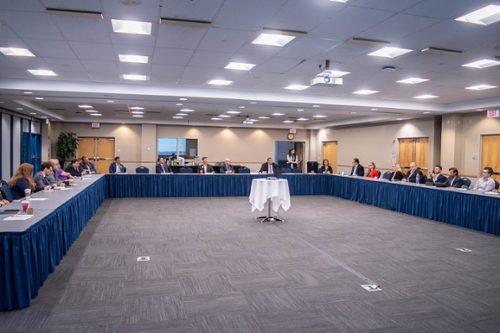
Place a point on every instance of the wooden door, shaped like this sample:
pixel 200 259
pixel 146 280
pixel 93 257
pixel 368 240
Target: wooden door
pixel 422 154
pixel 105 154
pixel 330 153
pixel 490 156
pixel 406 148
pixel 414 150
pixel 86 147
pixel 299 153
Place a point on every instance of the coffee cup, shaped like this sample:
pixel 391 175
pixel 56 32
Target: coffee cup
pixel 27 193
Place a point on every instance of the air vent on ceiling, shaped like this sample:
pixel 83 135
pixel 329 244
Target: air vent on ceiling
pixel 185 23
pixel 76 13
pixel 435 50
pixel 367 42
pixel 56 109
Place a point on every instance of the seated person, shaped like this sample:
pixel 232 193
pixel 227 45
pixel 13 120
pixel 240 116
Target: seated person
pixel 453 181
pixel 42 179
pixel 23 180
pixel 325 168
pixel 4 202
pixel 396 174
pixel 486 183
pixel 372 171
pixel 357 169
pixel 73 167
pixel 269 167
pixel 414 175
pixel 117 166
pixel 54 177
pixel 436 176
pixel 204 167
pixel 86 165
pixel 161 167
pixel 227 166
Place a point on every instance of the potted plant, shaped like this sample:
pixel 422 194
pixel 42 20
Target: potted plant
pixel 66 146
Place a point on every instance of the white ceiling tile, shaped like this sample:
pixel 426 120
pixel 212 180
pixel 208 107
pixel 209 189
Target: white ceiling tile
pixel 257 49
pixel 135 40
pixel 311 67
pixel 93 51
pixel 105 77
pixel 191 10
pixel 132 49
pixel 349 22
pixel 166 56
pixel 31 25
pixel 244 14
pixel 255 59
pixel 446 9
pixel 15 73
pixel 192 81
pixel 81 29
pixel 277 65
pixel 247 83
pixel 202 72
pixel 396 27
pixel 225 40
pixel 86 5
pixel 305 48
pixel 22 5
pixel 345 51
pixel 60 65
pixel 179 36
pixel 229 74
pixel 29 63
pixel 147 11
pixel 12 42
pixel 210 59
pixel 137 69
pixel 51 48
pixel 101 66
pixel 167 70
pixel 76 76
pixel 390 5
pixel 6 32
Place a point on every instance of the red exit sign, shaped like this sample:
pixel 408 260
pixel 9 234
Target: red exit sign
pixel 96 125
pixel 493 113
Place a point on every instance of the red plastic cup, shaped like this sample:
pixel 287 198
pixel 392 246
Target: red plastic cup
pixel 201 171
pixel 312 171
pixel 25 206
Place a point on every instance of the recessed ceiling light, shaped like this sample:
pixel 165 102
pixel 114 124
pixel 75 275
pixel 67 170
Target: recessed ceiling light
pixel 412 80
pixel 316 106
pixel 220 82
pixel 20 109
pixel 485 63
pixel 181 114
pixel 263 117
pixel 135 77
pixel 136 108
pixel 288 121
pixel 253 102
pixel 319 116
pixel 38 97
pixel 85 106
pixel 426 96
pixel 42 72
pixel 27 92
pixel 187 110
pixel 426 112
pixel 224 116
pixel 240 66
pixel 183 99
pixel 215 118
pixel 241 107
pixel 131 27
pixel 484 16
pixel 296 87
pixel 137 115
pixel 16 52
pixel 277 114
pixel 133 58
pixel 389 52
pixel 374 109
pixel 481 87
pixel 233 112
pixel 365 92
pixel 302 119
pixel 179 104
pixel 90 111
pixel 32 112
pixel 400 119
pixel 354 112
pixel 177 117
pixel 43 117
pixel 276 38
pixel 110 101
pixel 300 110
pixel 137 112
pixel 253 120
pixel 96 114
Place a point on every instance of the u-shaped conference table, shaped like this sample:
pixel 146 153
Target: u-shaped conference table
pixel 30 250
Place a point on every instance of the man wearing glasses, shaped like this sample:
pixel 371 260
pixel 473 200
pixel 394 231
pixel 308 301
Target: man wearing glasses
pixel 486 184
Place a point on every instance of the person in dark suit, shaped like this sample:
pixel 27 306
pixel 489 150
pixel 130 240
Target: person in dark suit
pixel 396 174
pixel 269 167
pixel 325 168
pixel 227 167
pixel 23 180
pixel 161 167
pixel 117 166
pixel 86 165
pixel 453 181
pixel 436 176
pixel 73 167
pixel 204 167
pixel 414 175
pixel 357 169
pixel 42 177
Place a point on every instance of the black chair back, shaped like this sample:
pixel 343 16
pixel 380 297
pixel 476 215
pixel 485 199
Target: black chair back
pixel 387 175
pixel 496 185
pixel 298 170
pixel 466 182
pixel 186 170
pixel 286 170
pixel 142 169
pixel 7 195
pixel 244 170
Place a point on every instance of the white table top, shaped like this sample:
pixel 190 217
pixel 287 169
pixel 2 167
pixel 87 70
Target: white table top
pixel 277 190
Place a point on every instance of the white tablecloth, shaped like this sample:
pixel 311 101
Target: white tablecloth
pixel 263 189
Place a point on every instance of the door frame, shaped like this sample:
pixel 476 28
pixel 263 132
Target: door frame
pixel 323 157
pixel 480 164
pixel 428 151
pixel 96 158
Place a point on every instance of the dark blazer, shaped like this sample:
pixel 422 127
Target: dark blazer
pixel 72 171
pixel 360 171
pixel 22 184
pixel 42 180
pixel 225 168
pixel 440 179
pixel 160 170
pixel 265 168
pixel 210 168
pixel 413 178
pixel 322 169
pixel 457 183
pixel 112 168
pixel 85 167
pixel 398 176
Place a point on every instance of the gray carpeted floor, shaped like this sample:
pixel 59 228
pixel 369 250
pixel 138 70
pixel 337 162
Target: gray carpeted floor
pixel 214 268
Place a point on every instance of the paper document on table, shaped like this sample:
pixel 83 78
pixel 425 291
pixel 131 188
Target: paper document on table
pixel 18 218
pixel 38 199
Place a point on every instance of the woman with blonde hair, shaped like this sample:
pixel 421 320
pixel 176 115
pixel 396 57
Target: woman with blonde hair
pixel 23 180
pixel 396 174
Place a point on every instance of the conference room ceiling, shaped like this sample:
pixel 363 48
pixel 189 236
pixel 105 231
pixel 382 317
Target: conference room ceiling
pixel 84 53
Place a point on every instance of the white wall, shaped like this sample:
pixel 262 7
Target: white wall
pixel 5 147
pixel 16 144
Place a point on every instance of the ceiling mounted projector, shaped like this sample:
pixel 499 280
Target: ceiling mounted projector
pixel 247 121
pixel 326 77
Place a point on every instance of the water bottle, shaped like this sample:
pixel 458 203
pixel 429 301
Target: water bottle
pixel 416 179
